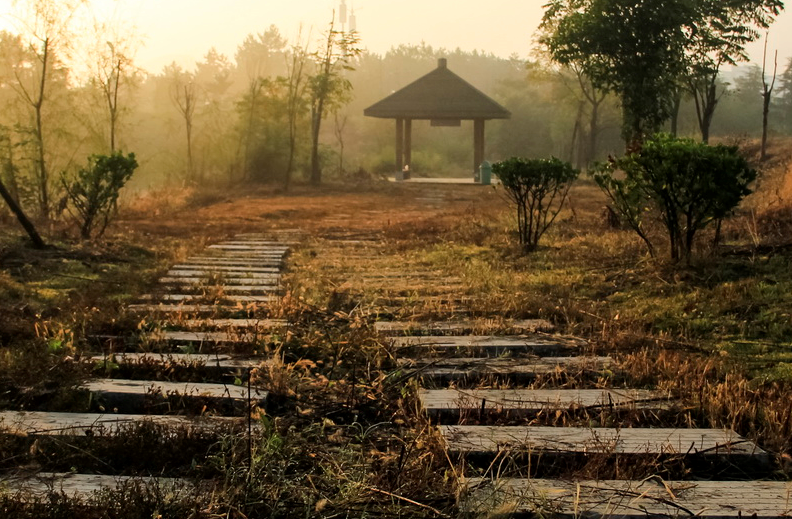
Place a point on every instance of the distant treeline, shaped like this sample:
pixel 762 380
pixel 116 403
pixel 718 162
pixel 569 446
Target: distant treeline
pixel 239 109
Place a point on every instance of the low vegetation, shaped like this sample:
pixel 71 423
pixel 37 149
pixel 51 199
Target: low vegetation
pixel 342 433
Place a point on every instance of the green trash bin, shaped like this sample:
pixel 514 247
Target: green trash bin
pixel 485 173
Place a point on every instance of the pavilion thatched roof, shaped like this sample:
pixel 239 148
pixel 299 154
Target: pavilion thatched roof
pixel 438 95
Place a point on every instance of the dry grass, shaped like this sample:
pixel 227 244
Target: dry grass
pixel 344 435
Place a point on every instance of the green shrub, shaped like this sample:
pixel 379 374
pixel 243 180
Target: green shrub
pixel 683 184
pixel 538 189
pixel 94 191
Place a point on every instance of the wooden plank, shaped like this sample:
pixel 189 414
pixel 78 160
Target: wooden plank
pixel 486 345
pixel 448 369
pixel 133 391
pixel 272 249
pixel 83 486
pixel 187 308
pixel 225 337
pixel 247 254
pixel 459 327
pixel 488 440
pixel 524 498
pixel 198 288
pixel 255 325
pixel 37 423
pixel 271 264
pixel 207 273
pixel 223 282
pixel 227 268
pixel 436 401
pixel 226 298
pixel 216 362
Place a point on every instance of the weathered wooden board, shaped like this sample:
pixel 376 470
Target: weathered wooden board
pixel 430 328
pixel 220 282
pixel 36 423
pixel 225 298
pixel 524 498
pixel 484 439
pixel 247 254
pixel 533 400
pixel 253 325
pixel 134 390
pixel 218 361
pixel 206 273
pixel 82 486
pixel 194 285
pixel 226 337
pixel 274 249
pixel 227 268
pixel 486 345
pixel 271 264
pixel 448 369
pixel 187 308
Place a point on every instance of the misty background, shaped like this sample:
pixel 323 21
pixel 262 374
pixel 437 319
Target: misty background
pixel 239 112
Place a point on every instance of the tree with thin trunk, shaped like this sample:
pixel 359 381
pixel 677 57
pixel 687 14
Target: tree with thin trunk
pixel 720 38
pixel 184 95
pixel 46 25
pixel 296 86
pixel 111 65
pixel 328 87
pixel 767 96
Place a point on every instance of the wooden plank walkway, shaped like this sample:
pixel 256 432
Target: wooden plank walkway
pixel 170 309
pixel 227 268
pixel 83 486
pixel 39 423
pixel 249 324
pixel 485 345
pixel 210 273
pixel 220 299
pixel 435 401
pixel 488 440
pixel 457 368
pixel 218 361
pixel 432 328
pixel 136 391
pixel 227 261
pixel 235 287
pixel 529 498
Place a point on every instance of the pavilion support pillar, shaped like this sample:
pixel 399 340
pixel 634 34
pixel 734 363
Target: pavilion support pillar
pixel 408 143
pixel 399 145
pixel 478 144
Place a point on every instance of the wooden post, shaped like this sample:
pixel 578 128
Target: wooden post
pixel 399 145
pixel 408 142
pixel 478 144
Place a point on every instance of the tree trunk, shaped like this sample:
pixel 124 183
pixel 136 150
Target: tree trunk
pixel 35 238
pixel 316 169
pixel 675 112
pixel 765 118
pixel 593 132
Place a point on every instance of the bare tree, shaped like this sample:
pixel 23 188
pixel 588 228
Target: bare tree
pixel 46 25
pixel 295 100
pixel 767 95
pixel 111 64
pixel 184 94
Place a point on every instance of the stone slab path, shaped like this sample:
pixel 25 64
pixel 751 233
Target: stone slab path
pixel 242 275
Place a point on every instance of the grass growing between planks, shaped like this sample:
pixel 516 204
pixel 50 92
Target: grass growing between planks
pixel 342 435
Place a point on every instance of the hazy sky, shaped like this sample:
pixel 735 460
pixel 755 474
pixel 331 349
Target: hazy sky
pixel 183 30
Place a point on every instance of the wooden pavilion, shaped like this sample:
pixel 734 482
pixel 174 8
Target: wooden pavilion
pixel 443 98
